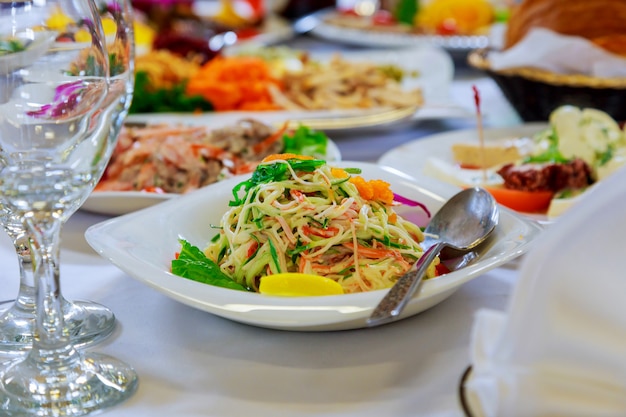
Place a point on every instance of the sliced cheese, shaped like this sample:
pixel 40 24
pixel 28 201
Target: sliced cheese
pixel 493 154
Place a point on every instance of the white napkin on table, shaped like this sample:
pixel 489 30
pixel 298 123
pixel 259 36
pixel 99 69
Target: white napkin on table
pixel 551 51
pixel 560 349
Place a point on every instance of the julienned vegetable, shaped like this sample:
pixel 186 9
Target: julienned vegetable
pixel 298 214
pixel 235 83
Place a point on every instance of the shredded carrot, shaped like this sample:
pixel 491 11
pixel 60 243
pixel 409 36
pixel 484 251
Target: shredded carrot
pixel 235 83
pixel 285 157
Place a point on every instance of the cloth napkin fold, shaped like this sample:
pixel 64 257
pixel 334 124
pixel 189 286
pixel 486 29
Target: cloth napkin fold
pixel 551 51
pixel 560 349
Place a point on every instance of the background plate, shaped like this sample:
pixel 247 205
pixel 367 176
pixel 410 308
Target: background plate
pixel 380 38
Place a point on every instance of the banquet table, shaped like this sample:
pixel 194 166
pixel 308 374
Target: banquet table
pixel 191 363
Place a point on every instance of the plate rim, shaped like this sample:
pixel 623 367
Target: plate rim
pixel 347 312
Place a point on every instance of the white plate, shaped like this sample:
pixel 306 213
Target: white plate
pixel 381 39
pixel 435 71
pixel 143 244
pixel 413 156
pixel 121 202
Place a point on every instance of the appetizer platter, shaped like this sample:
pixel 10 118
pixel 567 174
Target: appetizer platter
pixel 540 169
pixel 159 157
pixel 279 79
pixel 455 25
pixel 147 254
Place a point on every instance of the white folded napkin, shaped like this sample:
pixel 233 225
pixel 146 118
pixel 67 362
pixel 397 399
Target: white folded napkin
pixel 551 51
pixel 560 349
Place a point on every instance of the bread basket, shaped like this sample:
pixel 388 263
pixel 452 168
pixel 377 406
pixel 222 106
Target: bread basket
pixel 535 93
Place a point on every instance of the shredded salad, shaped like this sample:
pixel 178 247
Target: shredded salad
pixel 299 214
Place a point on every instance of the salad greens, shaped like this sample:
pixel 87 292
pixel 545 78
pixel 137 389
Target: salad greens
pixel 552 152
pixel 193 264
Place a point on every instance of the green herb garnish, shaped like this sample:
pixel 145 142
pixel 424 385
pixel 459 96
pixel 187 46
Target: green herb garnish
pixel 193 264
pixel 266 173
pixel 305 141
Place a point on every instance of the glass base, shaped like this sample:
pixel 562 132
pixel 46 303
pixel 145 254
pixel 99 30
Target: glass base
pixel 91 383
pixel 87 323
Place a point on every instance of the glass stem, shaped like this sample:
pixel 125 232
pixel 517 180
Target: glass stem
pixel 51 340
pixel 25 301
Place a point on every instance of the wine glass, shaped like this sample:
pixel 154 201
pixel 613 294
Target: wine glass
pixel 55 139
pixel 88 322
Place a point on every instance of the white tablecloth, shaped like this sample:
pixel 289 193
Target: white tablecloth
pixel 191 363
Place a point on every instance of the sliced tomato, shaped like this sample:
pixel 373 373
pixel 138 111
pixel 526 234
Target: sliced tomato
pixel 524 201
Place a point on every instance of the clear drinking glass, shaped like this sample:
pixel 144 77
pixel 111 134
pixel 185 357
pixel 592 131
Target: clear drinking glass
pixel 87 322
pixel 58 106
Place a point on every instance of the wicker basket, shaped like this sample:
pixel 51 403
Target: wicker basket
pixel 535 93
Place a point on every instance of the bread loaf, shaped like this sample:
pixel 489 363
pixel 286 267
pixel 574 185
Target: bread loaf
pixel 600 21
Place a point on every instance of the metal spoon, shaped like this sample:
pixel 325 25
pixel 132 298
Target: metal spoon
pixel 463 222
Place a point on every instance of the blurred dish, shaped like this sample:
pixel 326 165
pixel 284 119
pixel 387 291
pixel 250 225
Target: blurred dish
pixel 136 246
pixel 381 39
pixel 122 202
pixel 432 156
pixel 428 69
pixel 273 30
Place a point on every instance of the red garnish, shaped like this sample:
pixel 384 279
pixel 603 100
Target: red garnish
pixel 476 98
pixel 481 136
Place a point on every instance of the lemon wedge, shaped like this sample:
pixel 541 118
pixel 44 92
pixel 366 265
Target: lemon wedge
pixel 294 284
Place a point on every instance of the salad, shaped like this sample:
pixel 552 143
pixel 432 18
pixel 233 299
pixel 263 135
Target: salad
pixel 166 158
pixel 297 214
